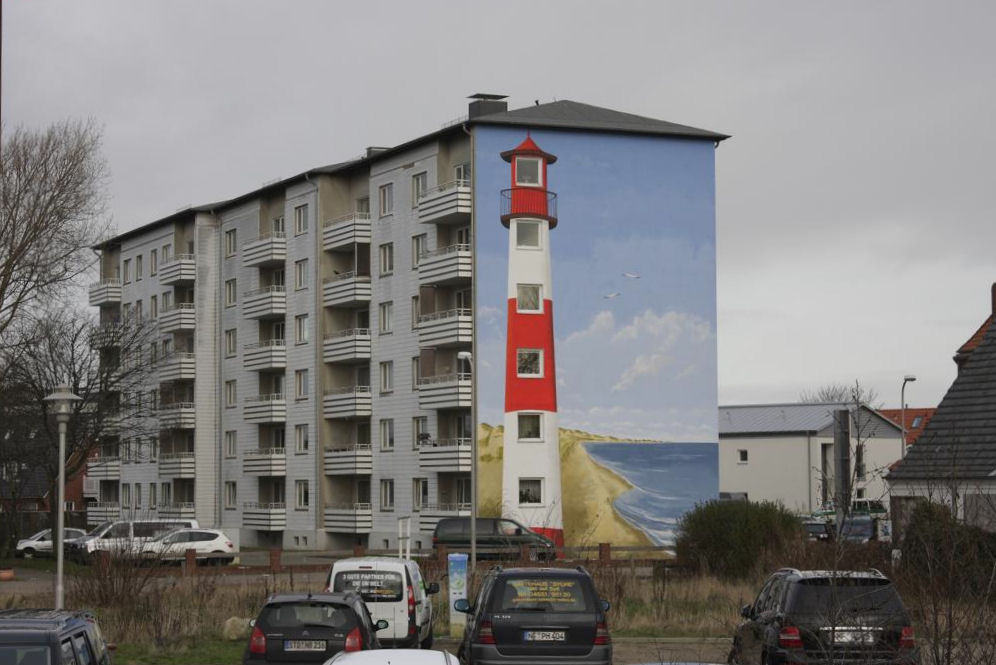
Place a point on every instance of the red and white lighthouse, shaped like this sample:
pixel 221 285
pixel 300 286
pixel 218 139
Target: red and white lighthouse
pixel 531 466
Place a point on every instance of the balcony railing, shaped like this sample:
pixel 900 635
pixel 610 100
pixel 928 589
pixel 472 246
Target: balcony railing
pixel 265 462
pixel 446 455
pixel 181 268
pixel 181 510
pixel 344 232
pixel 270 408
pixel 181 316
pixel 265 302
pixel 177 415
pixel 429 514
pixel 448 203
pixel 349 460
pixel 266 249
pixel 105 292
pixel 177 465
pixel 350 345
pixel 347 402
pixel 348 517
pixel 528 202
pixel 104 468
pixel 264 516
pixel 107 335
pixel 178 366
pixel 265 355
pixel 347 289
pixel 446 391
pixel 449 327
pixel 102 511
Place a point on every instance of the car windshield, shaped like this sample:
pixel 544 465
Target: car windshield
pixel 376 586
pixel 303 613
pixel 97 529
pixel 846 595
pixel 27 654
pixel 40 534
pixel 163 536
pixel 543 594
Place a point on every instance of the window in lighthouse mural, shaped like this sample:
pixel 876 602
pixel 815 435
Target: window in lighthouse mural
pixel 596 332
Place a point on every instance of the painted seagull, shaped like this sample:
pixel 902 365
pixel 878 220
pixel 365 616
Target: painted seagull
pixel 609 296
pixel 631 275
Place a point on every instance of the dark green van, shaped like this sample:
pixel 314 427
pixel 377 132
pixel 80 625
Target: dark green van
pixel 497 538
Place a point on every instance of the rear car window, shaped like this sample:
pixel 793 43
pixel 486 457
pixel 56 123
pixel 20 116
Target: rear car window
pixel 450 528
pixel 822 595
pixel 299 614
pixel 557 594
pixel 376 586
pixel 25 654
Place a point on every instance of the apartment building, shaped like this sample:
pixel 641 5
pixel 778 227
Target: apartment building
pixel 314 344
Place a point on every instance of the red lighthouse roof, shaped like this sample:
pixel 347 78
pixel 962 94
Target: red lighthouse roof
pixel 528 148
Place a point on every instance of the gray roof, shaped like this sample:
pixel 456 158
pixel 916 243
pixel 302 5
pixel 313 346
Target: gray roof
pixel 566 114
pixel 959 442
pixel 793 418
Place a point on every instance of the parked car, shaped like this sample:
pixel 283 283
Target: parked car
pixel 122 538
pixel 211 545
pixel 40 544
pixel 819 616
pixel 496 538
pixel 535 615
pixel 310 628
pixel 395 591
pixel 394 657
pixel 50 637
pixel 817 529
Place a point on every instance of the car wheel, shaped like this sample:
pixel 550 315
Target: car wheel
pixel 217 560
pixel 29 553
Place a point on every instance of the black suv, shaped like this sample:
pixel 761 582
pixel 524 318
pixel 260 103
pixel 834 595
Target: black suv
pixel 310 628
pixel 535 615
pixel 51 637
pixel 496 538
pixel 820 616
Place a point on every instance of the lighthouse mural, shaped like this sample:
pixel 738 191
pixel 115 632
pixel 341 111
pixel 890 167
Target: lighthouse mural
pixel 531 490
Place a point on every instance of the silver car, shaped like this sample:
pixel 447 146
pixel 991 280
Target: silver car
pixel 40 544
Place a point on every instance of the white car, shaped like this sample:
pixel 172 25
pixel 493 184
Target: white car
pixel 209 544
pixel 393 657
pixel 40 544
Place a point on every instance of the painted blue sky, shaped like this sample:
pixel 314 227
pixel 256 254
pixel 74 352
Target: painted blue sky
pixel 642 363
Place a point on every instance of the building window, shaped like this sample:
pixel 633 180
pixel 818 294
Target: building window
pixel 420 183
pixel 387 434
pixel 302 499
pixel 363 205
pixel 231 443
pixel 231 495
pixel 301 329
pixel 420 431
pixel 741 456
pixel 387 376
pixel 231 242
pixel 529 363
pixel 530 427
pixel 152 496
pixel 527 235
pixel 387 494
pixel 126 271
pixel 301 219
pixel 415 312
pixel 153 306
pixel 301 438
pixel 859 461
pixel 416 371
pixel 153 262
pixel 420 493
pixel 418 249
pixel 386 199
pixel 530 491
pixel 231 396
pixel 153 442
pixel 528 172
pixel 138 310
pixel 387 258
pixel 301 387
pixel 167 300
pixel 386 311
pixel 231 296
pixel 301 274
pixel 138 269
pixel 167 253
pixel 231 342
pixel 916 422
pixel 166 494
pixel 138 495
pixel 125 495
pixel 528 298
pixel 859 493
pixel 461 173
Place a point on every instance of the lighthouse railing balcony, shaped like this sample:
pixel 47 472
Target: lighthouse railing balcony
pixel 528 202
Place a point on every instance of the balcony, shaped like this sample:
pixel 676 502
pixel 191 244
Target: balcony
pixel 186 510
pixel 446 455
pixel 267 249
pixel 179 415
pixel 106 335
pixel 265 409
pixel 181 316
pixel 181 269
pixel 449 203
pixel 266 355
pixel 528 202
pixel 346 290
pixel 447 328
pixel 344 232
pixel 446 266
pixel 268 302
pixel 266 462
pixel 264 516
pixel 347 346
pixel 105 292
pixel 352 461
pixel 349 517
pixel 349 402
pixel 430 514
pixel 104 468
pixel 91 487
pixel 447 391
pixel 178 367
pixel 177 465
pixel 102 511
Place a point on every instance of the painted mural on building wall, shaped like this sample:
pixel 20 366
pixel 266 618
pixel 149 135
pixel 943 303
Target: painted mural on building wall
pixel 596 332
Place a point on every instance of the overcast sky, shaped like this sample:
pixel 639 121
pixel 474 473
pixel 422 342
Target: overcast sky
pixel 855 200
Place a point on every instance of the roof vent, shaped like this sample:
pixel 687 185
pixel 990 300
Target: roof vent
pixel 374 149
pixel 485 104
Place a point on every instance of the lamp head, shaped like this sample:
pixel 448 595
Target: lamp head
pixel 909 377
pixel 465 355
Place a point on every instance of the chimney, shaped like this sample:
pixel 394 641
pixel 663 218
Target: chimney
pixel 374 149
pixel 485 104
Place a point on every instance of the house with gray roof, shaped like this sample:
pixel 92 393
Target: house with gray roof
pixel 785 452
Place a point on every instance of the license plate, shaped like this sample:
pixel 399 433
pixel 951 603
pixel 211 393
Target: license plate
pixel 304 645
pixel 853 637
pixel 545 636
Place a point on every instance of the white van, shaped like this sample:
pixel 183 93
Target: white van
pixel 123 537
pixel 393 590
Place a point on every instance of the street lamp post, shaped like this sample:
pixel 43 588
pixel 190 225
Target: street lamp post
pixel 902 410
pixel 62 401
pixel 468 357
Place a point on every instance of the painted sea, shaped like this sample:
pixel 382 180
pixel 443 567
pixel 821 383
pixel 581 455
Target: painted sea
pixel 668 480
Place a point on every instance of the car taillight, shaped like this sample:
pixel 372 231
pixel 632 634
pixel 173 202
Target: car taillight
pixel 602 634
pixel 907 638
pixel 790 638
pixel 485 635
pixel 354 641
pixel 257 642
pixel 229 544
pixel 411 610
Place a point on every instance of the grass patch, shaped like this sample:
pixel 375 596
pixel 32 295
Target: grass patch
pixel 203 652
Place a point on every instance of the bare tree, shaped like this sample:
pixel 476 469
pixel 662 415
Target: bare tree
pixel 52 211
pixel 841 393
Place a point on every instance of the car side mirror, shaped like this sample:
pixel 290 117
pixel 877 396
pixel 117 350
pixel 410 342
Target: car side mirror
pixel 432 588
pixel 745 611
pixel 461 605
pixel 606 606
pixel 252 623
pixel 381 624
